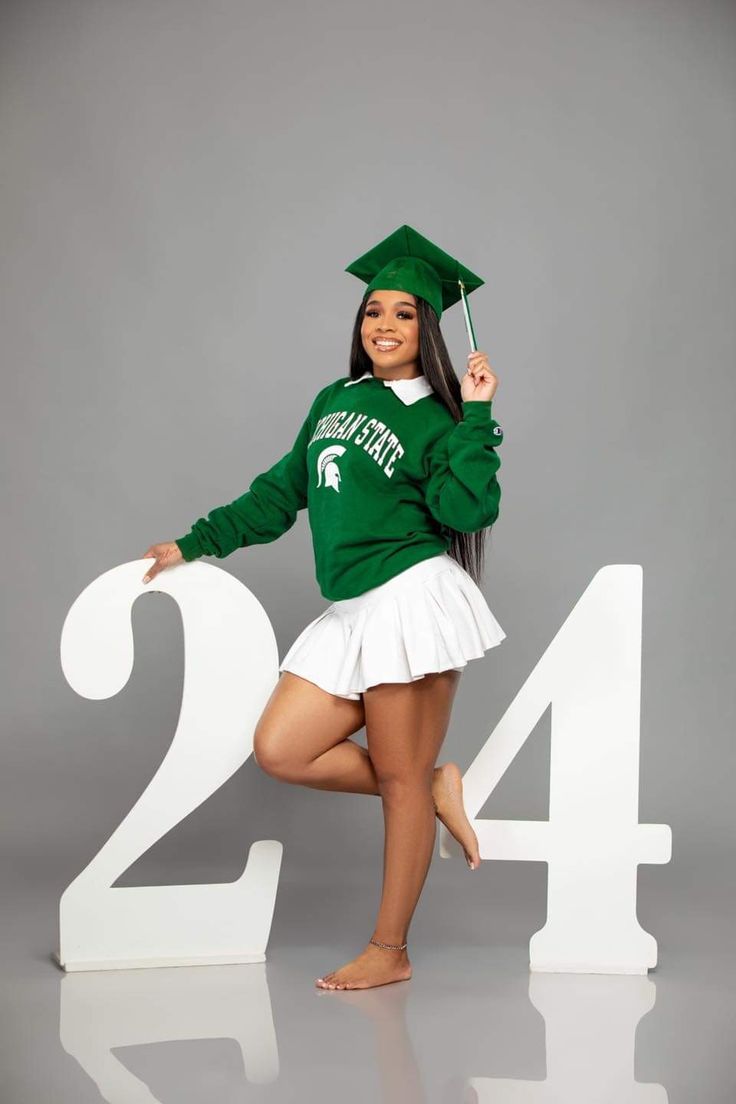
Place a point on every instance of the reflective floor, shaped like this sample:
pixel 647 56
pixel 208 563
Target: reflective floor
pixel 472 1025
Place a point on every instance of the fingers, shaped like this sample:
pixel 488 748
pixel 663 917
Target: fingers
pixel 151 573
pixel 478 366
pixel 479 370
pixel 157 551
pixel 481 375
pixel 164 555
pixel 479 382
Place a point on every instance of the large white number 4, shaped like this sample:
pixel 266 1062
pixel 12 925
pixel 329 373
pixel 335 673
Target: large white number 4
pixel 592 842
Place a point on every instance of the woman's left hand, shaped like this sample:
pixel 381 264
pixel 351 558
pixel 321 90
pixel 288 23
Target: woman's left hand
pixel 479 382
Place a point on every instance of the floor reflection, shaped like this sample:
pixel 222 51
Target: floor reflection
pixel 493 1034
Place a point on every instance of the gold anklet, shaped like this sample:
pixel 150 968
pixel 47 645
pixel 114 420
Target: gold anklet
pixel 388 946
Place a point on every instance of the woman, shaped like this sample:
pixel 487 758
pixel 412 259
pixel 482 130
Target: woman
pixel 397 466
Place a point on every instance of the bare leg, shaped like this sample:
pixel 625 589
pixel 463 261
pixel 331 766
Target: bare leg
pixel 302 738
pixel 406 724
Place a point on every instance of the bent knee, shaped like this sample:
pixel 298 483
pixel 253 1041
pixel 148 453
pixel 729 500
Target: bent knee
pixel 271 757
pixel 266 754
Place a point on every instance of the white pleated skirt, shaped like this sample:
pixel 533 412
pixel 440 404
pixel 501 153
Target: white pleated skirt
pixel 430 617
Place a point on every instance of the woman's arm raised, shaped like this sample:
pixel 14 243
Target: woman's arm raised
pixel 462 489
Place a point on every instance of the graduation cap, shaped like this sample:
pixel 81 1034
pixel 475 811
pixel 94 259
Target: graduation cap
pixel 407 261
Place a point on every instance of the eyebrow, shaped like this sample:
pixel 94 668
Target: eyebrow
pixel 399 303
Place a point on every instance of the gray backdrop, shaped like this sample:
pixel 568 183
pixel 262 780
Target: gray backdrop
pixel 182 187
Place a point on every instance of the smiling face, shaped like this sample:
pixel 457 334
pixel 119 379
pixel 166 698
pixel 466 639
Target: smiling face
pixel 390 333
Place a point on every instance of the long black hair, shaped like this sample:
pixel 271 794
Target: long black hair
pixel 434 360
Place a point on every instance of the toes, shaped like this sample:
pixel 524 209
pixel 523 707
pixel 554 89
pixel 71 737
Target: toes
pixel 333 982
pixel 327 982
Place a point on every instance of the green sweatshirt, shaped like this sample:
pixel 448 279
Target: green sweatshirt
pixel 385 472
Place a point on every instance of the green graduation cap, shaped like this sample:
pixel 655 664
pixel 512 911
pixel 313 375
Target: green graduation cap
pixel 407 261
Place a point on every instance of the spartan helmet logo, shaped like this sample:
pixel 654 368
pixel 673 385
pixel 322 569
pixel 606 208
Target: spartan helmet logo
pixel 326 465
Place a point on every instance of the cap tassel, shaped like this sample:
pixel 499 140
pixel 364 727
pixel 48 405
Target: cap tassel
pixel 468 321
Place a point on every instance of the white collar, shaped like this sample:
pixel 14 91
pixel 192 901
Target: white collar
pixel 408 390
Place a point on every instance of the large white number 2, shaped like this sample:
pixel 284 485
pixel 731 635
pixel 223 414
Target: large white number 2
pixel 592 842
pixel 230 668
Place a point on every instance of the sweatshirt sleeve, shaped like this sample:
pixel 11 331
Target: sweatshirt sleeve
pixel 462 490
pixel 266 510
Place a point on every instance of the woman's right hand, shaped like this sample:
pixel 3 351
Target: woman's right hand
pixel 166 555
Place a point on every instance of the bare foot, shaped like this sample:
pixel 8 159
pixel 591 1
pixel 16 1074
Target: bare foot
pixel 373 966
pixel 447 794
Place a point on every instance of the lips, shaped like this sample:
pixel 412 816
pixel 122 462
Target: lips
pixel 386 346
